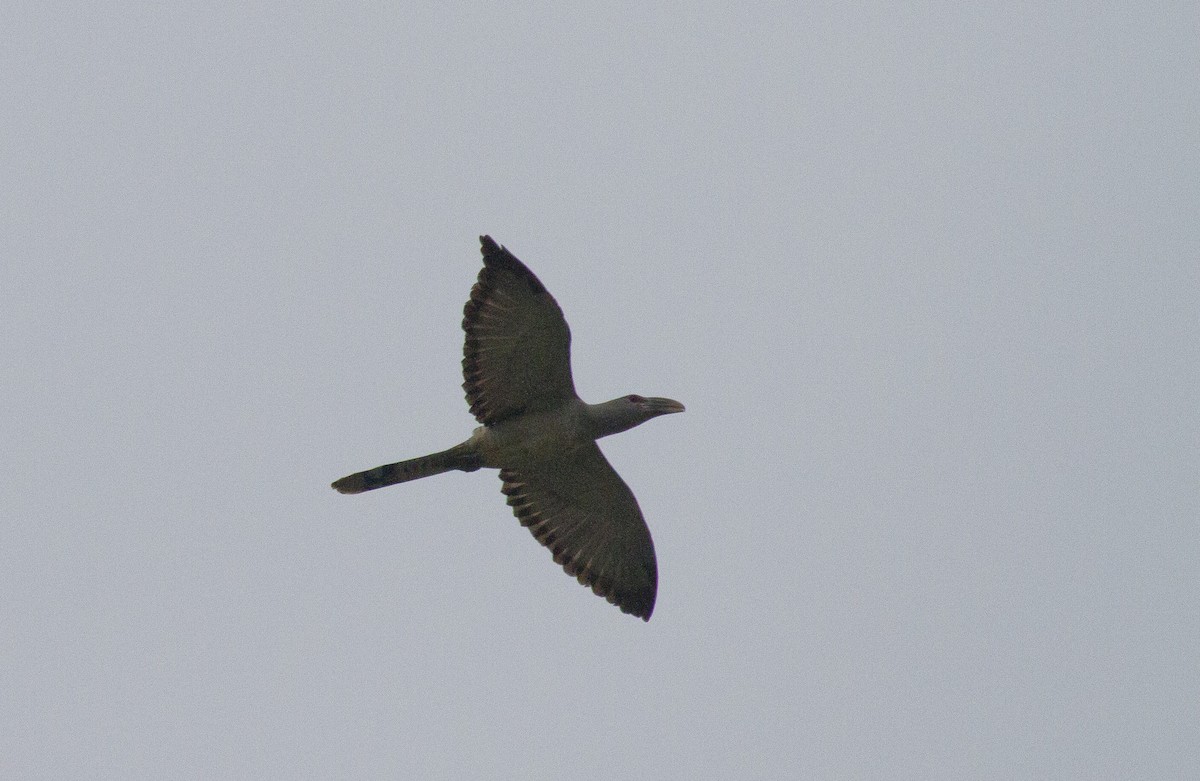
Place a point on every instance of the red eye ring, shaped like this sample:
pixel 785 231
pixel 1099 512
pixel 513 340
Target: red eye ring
pixel 634 398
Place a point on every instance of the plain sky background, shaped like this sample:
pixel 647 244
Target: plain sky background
pixel 927 277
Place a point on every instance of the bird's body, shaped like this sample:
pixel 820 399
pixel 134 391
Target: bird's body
pixel 524 439
pixel 542 437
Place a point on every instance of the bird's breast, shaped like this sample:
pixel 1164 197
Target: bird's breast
pixel 529 438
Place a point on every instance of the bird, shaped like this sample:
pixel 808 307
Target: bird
pixel 542 437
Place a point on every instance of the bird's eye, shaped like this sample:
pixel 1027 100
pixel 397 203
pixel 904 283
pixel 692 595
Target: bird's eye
pixel 634 398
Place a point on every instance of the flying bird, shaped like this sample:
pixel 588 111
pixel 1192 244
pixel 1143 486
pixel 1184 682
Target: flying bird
pixel 542 437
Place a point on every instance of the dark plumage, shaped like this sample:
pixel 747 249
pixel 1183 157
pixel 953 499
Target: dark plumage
pixel 542 437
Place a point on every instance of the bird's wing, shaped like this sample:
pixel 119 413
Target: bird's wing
pixel 579 507
pixel 517 354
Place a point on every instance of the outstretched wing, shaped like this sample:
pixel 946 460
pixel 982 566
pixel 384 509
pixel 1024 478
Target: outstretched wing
pixel 517 353
pixel 580 508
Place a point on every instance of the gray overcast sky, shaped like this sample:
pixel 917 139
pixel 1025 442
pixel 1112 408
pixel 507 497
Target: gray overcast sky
pixel 927 278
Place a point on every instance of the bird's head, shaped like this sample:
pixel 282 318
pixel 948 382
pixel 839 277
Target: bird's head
pixel 622 414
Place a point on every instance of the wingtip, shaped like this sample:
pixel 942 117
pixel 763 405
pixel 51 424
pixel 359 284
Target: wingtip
pixel 637 605
pixel 637 611
pixel 488 246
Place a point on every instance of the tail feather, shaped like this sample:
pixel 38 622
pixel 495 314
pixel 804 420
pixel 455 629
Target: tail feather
pixel 458 457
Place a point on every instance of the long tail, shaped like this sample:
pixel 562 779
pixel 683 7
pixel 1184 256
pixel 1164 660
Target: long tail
pixel 458 457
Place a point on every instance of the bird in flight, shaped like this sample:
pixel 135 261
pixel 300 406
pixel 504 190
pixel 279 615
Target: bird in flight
pixel 542 437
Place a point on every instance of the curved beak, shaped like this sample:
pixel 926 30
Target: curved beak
pixel 661 406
